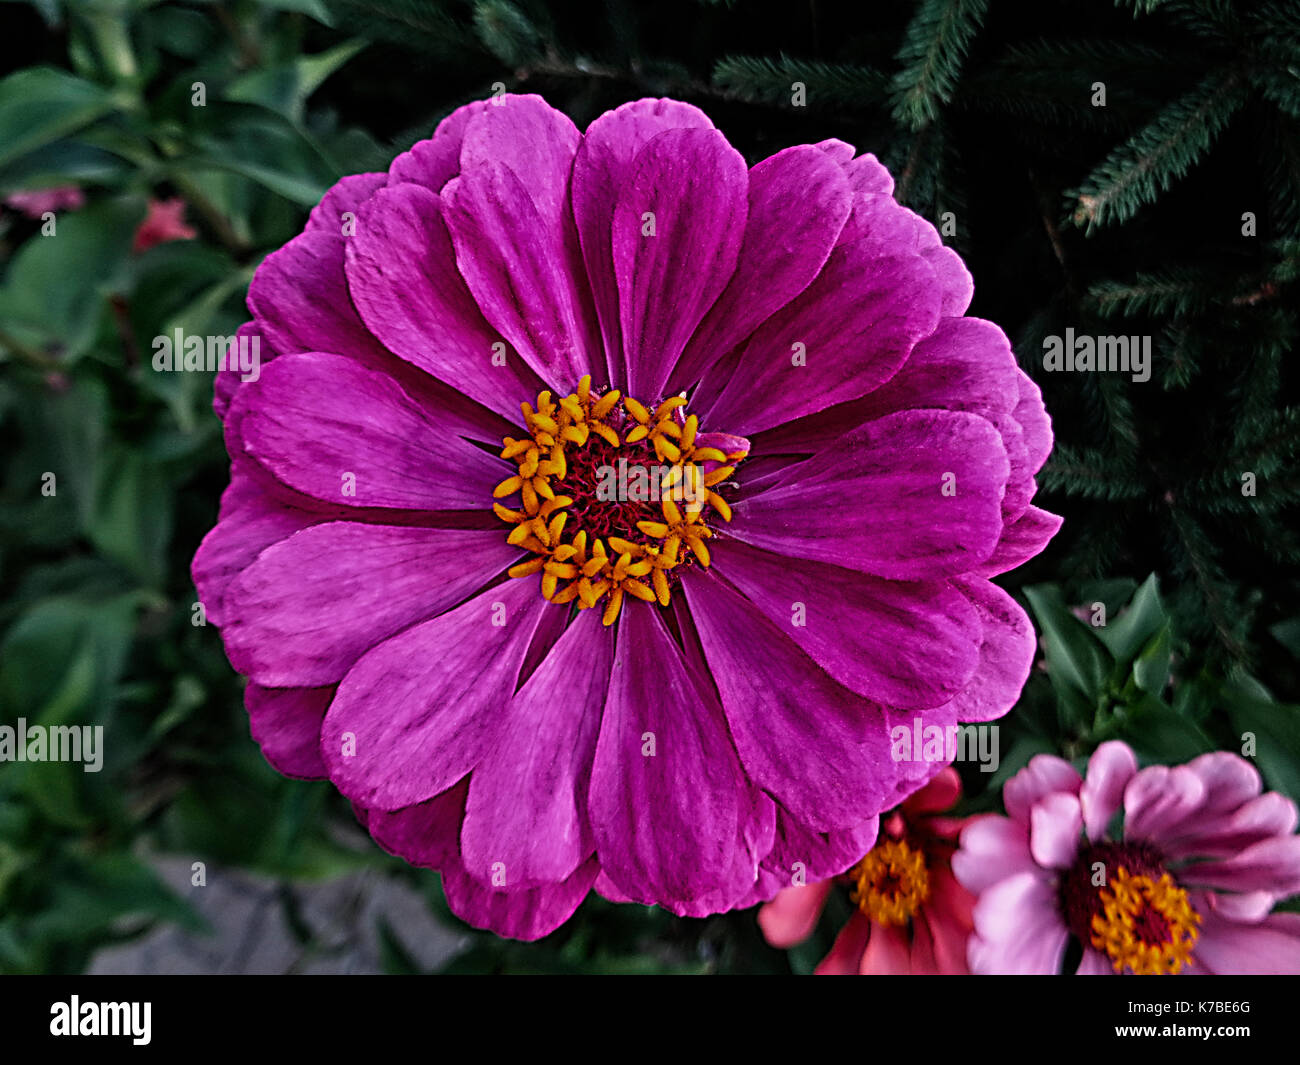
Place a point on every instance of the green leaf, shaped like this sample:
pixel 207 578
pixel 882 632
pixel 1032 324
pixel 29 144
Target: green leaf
pixel 41 104
pixel 132 523
pixel 1276 729
pixel 1074 657
pixel 104 890
pixel 285 87
pixel 262 146
pixel 39 652
pixel 1160 735
pixel 56 290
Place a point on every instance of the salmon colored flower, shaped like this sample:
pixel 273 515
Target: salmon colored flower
pixel 911 916
pixel 165 221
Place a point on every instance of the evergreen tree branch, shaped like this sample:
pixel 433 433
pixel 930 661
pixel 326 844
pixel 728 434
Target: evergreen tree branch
pixel 1134 174
pixel 760 79
pixel 934 47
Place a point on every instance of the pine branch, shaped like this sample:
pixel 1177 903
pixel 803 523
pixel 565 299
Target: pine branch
pixel 1184 346
pixel 414 23
pixel 1196 550
pixel 1089 474
pixel 1137 172
pixel 1140 7
pixel 933 50
pixel 1177 291
pixel 771 81
pixel 1282 175
pixel 1027 82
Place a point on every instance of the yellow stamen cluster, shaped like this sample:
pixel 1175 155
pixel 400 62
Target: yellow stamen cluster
pixel 586 569
pixel 1122 929
pixel 891 882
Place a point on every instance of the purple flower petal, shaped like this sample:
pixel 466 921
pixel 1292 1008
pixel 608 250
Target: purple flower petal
pixel 300 302
pixel 434 162
pixel 845 335
pixel 345 197
pixel 799 200
pixel 529 289
pixel 827 771
pixel 312 604
pixel 527 799
pixel 526 913
pixel 410 719
pixel 340 433
pixel 1022 540
pixel 426 834
pixel 286 722
pixel 402 274
pixel 901 644
pixel 249 523
pixel 694 187
pixel 602 167
pixel 669 825
pixel 1006 653
pixel 876 502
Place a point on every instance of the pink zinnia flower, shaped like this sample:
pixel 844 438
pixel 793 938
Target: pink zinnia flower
pixel 912 916
pixel 35 203
pixel 165 221
pixel 1187 886
pixel 539 689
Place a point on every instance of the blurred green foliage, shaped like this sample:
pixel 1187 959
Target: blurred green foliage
pixel 982 110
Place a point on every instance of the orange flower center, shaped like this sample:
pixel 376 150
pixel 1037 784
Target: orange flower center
pixel 610 497
pixel 1145 925
pixel 891 883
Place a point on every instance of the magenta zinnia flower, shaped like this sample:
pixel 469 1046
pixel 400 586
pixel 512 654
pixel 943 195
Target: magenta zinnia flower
pixel 912 918
pixel 538 686
pixel 1187 886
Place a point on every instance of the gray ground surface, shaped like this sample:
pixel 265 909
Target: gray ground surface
pixel 252 935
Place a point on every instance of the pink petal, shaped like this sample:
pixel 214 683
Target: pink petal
pixel 1055 822
pixel 1110 769
pixel 1043 775
pixel 790 917
pixel 1018 930
pixel 992 849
